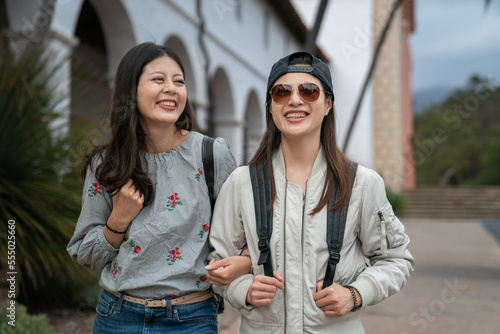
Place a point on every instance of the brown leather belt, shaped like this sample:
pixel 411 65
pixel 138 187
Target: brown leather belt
pixel 194 297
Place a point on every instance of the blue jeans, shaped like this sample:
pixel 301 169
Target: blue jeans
pixel 115 315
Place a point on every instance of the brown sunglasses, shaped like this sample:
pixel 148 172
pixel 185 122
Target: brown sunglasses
pixel 308 91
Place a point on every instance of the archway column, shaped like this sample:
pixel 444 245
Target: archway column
pixel 201 113
pixel 254 126
pixel 60 48
pixel 253 139
pixel 233 132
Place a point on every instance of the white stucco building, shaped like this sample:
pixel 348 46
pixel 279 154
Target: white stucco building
pixel 228 46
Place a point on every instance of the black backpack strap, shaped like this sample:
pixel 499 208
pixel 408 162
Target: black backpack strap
pixel 262 193
pixel 335 231
pixel 208 167
pixel 207 154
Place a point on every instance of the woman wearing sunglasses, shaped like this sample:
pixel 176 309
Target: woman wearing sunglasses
pixel 307 169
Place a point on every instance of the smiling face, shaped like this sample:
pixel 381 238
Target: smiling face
pixel 296 117
pixel 161 93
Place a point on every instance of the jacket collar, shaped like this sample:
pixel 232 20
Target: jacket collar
pixel 318 167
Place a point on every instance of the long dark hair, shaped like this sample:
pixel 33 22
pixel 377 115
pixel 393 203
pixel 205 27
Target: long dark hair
pixel 338 171
pixel 120 158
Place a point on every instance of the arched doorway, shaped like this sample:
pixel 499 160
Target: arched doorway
pixel 90 90
pixel 225 122
pixel 106 34
pixel 4 23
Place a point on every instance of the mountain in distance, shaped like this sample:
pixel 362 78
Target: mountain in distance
pixel 426 97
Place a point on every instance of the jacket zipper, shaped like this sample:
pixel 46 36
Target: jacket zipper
pixel 383 229
pixel 302 246
pixel 284 258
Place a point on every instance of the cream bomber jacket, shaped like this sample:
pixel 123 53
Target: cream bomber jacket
pixel 373 235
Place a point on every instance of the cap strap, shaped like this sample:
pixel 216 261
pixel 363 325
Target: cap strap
pixel 307 69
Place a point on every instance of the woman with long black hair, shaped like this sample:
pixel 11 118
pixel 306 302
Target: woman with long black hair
pixel 146 210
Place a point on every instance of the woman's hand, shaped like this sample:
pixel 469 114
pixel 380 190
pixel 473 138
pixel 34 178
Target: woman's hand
pixel 334 300
pixel 127 202
pixel 263 289
pixel 226 270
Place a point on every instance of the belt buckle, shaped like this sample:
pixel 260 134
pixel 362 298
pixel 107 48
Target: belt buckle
pixel 163 303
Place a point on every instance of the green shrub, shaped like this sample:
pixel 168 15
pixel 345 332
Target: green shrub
pixel 397 200
pixel 24 322
pixel 38 190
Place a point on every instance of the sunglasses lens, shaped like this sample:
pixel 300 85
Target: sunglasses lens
pixel 281 93
pixel 309 91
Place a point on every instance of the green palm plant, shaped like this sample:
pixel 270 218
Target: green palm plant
pixel 34 193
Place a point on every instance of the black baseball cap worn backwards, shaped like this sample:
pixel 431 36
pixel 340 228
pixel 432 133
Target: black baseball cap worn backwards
pixel 318 68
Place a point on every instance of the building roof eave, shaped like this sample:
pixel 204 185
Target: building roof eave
pixel 289 16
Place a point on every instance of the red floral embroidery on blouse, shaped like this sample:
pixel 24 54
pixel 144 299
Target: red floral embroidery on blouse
pixel 115 272
pixel 136 248
pixel 173 201
pixel 198 176
pixel 201 279
pixel 95 189
pixel 174 255
pixel 204 229
pixel 169 152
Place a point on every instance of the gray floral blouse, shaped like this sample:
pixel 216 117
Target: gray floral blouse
pixel 166 246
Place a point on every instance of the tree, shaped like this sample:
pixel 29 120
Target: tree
pixel 458 141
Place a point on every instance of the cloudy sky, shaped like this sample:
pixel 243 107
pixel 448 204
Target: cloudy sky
pixel 452 41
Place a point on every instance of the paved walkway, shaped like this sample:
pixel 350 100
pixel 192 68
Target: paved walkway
pixel 455 287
